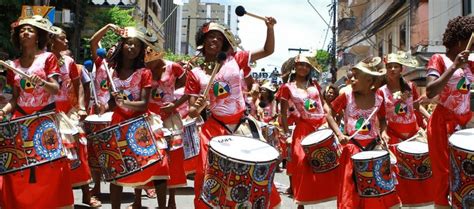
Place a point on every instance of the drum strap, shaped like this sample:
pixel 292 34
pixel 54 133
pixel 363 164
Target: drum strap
pixel 51 106
pixel 369 147
pixel 252 126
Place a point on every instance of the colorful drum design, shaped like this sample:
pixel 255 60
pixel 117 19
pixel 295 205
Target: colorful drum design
pixel 322 150
pixel 373 176
pixel 29 141
pixel 413 161
pixel 92 124
pixel 461 152
pixel 125 148
pixel 239 173
pixel 190 139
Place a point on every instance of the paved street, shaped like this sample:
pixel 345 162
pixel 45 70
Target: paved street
pixel 185 197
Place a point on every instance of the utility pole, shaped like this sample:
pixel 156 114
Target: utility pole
pixel 145 20
pixel 299 50
pixel 333 50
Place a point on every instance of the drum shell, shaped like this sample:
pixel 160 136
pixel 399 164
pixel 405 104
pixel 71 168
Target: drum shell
pixel 373 177
pixel 89 128
pixel 414 166
pixel 322 156
pixel 29 141
pixel 125 148
pixel 191 142
pixel 461 176
pixel 234 183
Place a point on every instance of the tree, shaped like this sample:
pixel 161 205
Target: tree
pixel 115 15
pixel 11 10
pixel 323 58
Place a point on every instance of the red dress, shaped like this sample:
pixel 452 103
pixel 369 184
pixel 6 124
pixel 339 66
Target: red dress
pixel 162 93
pixel 308 187
pixel 353 118
pixel 452 110
pixel 65 100
pixel 227 104
pixel 293 117
pixel 132 88
pixel 52 179
pixel 401 125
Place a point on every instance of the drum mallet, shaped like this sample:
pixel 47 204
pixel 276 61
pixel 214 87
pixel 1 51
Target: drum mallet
pixel 240 11
pixel 19 72
pixel 89 65
pixel 469 44
pixel 220 57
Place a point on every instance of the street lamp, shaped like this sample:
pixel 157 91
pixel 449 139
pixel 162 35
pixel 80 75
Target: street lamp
pixel 187 29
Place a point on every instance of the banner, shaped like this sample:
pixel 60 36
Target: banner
pixel 44 11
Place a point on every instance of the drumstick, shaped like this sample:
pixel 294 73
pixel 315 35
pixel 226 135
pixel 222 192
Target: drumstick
pixel 469 44
pixel 102 54
pixel 19 72
pixel 365 123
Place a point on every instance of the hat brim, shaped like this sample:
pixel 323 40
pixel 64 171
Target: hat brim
pixel 40 24
pixel 380 72
pixel 227 34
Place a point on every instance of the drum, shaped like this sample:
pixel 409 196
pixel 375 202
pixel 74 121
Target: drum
pixel 321 150
pixel 413 161
pixel 461 150
pixel 125 148
pixel 94 123
pixel 239 173
pixel 373 176
pixel 190 139
pixel 29 141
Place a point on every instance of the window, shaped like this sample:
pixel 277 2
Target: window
pixel 467 7
pixel 403 36
pixel 380 49
pixel 390 43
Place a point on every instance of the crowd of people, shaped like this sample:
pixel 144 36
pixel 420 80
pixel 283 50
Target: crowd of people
pixel 377 110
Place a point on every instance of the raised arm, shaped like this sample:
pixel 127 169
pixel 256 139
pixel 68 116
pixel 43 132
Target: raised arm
pixel 269 46
pixel 95 39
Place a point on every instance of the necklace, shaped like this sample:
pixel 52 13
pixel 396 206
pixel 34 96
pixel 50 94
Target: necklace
pixel 208 65
pixel 61 61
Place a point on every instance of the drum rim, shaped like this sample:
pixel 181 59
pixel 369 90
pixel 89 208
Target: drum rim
pixel 416 154
pixel 118 177
pixel 319 142
pixel 457 147
pixel 27 117
pixel 242 161
pixel 119 125
pixel 373 158
pixel 85 119
pixel 34 165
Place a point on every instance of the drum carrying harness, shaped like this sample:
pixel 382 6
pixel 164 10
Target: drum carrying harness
pixel 252 126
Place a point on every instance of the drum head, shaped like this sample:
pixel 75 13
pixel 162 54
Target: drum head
pixel 413 147
pixel 369 155
pixel 244 149
pixel 463 139
pixel 106 117
pixel 317 137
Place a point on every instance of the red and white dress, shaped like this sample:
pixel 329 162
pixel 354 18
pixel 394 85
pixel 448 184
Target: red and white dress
pixel 308 187
pixel 132 88
pixel 52 179
pixel 452 110
pixel 162 93
pixel 354 118
pixel 65 100
pixel 227 105
pixel 101 82
pixel 401 125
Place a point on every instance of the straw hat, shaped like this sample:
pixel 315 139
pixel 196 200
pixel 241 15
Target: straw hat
pixel 141 33
pixel 303 59
pixel 268 85
pixel 151 54
pixel 38 22
pixel 401 58
pixel 371 66
pixel 226 32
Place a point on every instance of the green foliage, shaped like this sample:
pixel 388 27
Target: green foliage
pixel 115 15
pixel 11 10
pixel 176 57
pixel 323 58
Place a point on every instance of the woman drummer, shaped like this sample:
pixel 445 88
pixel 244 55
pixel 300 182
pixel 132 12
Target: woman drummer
pixel 52 188
pixel 309 101
pixel 449 77
pixel 227 104
pixel 400 102
pixel 133 86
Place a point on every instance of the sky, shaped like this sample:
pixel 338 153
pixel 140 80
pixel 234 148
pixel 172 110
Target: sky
pixel 298 26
